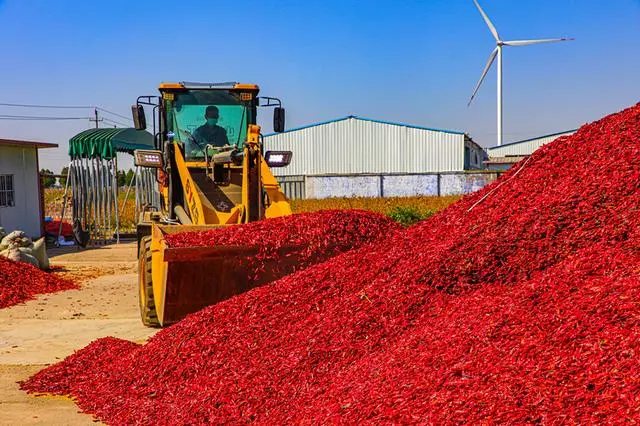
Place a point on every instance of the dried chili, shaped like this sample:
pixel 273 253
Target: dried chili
pixel 518 304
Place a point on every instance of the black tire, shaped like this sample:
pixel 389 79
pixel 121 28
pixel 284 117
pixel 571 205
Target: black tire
pixel 146 301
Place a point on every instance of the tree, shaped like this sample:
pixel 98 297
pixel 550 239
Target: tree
pixel 47 178
pixel 64 172
pixel 122 178
pixel 129 177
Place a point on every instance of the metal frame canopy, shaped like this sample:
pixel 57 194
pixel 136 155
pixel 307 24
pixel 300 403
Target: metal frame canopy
pixel 105 143
pixel 93 172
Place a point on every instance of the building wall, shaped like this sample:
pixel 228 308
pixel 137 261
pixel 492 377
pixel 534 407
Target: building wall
pixel 526 147
pixel 383 185
pixel 22 163
pixel 474 156
pixel 357 146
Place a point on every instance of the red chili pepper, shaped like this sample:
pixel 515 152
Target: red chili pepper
pixel 518 304
pixel 20 282
pixel 308 237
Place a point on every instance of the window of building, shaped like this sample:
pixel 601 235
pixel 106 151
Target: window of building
pixel 7 193
pixel 467 157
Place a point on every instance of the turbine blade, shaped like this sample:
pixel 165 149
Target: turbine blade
pixel 492 57
pixel 526 42
pixel 488 21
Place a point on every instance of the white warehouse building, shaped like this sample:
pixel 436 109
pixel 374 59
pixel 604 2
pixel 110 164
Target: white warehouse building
pixel 361 157
pixel 506 155
pixel 21 193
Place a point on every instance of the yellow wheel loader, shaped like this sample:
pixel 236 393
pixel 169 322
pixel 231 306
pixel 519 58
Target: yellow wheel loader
pixel 211 172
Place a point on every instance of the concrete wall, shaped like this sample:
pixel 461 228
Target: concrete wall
pixel 342 186
pixel 464 183
pixel 22 163
pixel 409 185
pixel 432 184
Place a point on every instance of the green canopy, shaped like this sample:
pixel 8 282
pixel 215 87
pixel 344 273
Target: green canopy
pixel 104 143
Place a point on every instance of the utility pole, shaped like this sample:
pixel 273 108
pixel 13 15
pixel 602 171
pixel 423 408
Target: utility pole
pixel 96 119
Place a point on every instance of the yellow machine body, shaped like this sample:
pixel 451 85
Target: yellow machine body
pixel 177 281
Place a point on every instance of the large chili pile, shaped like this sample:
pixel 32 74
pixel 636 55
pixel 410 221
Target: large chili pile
pixel 517 304
pixel 20 282
pixel 342 228
pixel 308 238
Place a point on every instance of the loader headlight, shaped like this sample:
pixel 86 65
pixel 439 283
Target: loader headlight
pixel 148 158
pixel 278 158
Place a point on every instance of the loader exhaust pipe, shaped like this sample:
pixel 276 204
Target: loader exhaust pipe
pixel 227 157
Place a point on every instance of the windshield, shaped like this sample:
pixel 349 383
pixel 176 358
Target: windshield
pixel 207 117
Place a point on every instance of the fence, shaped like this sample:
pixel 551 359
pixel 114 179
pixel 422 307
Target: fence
pixel 292 186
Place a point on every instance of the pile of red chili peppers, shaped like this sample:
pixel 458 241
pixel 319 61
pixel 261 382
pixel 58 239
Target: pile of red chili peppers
pixel 20 282
pixel 308 237
pixel 319 229
pixel 518 304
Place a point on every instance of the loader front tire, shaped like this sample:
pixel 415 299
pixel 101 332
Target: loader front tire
pixel 146 301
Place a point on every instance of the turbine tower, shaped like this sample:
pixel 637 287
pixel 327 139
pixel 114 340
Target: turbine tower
pixel 498 52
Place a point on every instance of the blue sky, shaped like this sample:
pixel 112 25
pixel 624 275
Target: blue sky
pixel 408 61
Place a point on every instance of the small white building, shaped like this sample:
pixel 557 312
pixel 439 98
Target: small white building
pixel 360 157
pixel 506 155
pixel 21 194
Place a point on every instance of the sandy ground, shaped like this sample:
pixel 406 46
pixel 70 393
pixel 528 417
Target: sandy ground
pixel 44 331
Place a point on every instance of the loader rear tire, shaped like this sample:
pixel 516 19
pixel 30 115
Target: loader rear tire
pixel 147 303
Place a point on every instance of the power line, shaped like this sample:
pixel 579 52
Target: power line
pixel 108 120
pixel 66 107
pixel 113 113
pixel 35 117
pixel 45 106
pixel 43 119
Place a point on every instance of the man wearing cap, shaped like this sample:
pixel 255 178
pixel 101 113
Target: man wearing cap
pixel 210 132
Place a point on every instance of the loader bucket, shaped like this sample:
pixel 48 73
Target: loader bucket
pixel 187 279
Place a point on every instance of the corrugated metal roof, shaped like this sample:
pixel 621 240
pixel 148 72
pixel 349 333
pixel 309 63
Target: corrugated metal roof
pixel 558 134
pixel 526 146
pixel 353 145
pixel 368 119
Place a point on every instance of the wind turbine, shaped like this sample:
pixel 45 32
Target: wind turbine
pixel 498 52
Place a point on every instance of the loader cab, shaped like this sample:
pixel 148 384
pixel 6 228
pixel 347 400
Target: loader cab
pixel 203 131
pixel 204 119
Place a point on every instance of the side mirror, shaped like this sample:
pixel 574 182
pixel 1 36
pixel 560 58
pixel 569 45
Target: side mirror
pixel 139 119
pixel 278 119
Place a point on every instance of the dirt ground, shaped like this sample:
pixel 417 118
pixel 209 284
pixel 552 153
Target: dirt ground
pixel 46 330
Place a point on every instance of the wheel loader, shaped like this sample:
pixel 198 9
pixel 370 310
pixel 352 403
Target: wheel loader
pixel 211 172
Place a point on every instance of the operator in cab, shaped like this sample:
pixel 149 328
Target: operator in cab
pixel 210 132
